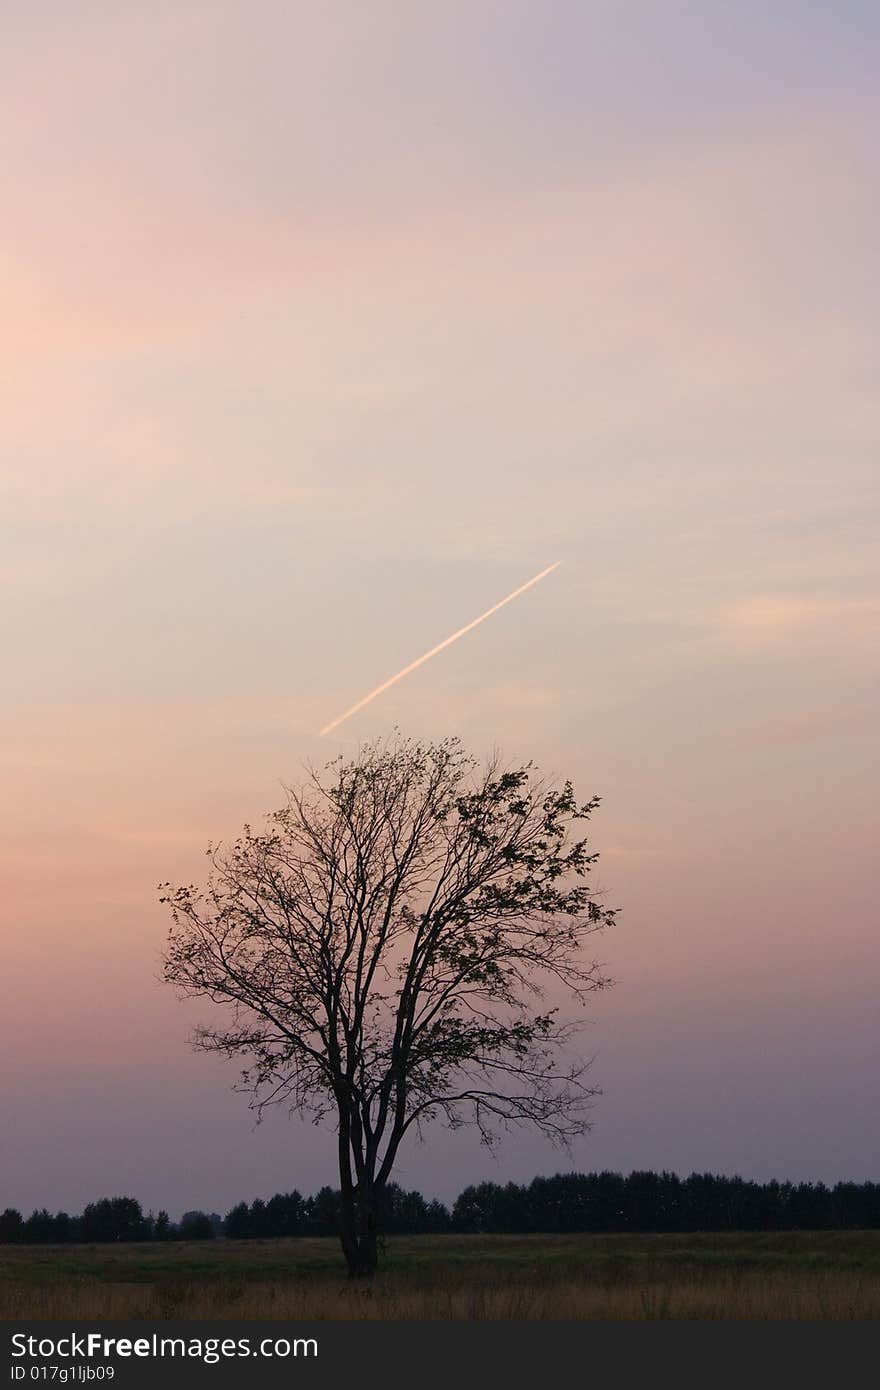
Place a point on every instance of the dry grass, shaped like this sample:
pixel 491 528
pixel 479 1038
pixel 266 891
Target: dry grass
pixel 829 1275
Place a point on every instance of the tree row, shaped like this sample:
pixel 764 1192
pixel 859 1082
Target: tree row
pixel 568 1202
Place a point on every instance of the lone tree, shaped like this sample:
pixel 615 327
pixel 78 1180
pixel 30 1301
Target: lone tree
pixel 384 947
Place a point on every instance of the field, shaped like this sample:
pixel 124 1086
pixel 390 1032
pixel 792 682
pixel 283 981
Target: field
pixel 827 1275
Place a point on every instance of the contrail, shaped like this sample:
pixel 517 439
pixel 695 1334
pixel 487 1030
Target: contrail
pixel 447 641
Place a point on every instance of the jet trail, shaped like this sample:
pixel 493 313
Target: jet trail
pixel 447 641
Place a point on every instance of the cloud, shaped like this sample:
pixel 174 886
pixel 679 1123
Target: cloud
pixel 809 727
pixel 767 618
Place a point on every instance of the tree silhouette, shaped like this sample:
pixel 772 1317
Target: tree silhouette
pixel 114 1218
pixel 196 1225
pixel 384 947
pixel 11 1226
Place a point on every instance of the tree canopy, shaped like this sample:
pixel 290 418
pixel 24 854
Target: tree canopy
pixel 385 946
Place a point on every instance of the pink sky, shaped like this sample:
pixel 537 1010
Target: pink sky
pixel 323 329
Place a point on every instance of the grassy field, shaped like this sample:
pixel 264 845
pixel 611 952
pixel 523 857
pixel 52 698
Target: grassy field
pixel 828 1275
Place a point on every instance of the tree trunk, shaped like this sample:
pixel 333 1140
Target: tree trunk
pixel 358 1232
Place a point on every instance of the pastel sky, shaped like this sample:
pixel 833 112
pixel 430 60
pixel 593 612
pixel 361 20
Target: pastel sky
pixel 326 325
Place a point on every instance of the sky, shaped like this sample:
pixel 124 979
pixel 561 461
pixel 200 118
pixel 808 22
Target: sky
pixel 326 326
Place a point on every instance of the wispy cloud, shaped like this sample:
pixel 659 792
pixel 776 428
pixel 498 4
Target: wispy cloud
pixel 768 618
pixel 809 727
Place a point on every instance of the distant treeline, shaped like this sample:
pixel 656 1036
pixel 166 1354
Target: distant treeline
pixel 569 1202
